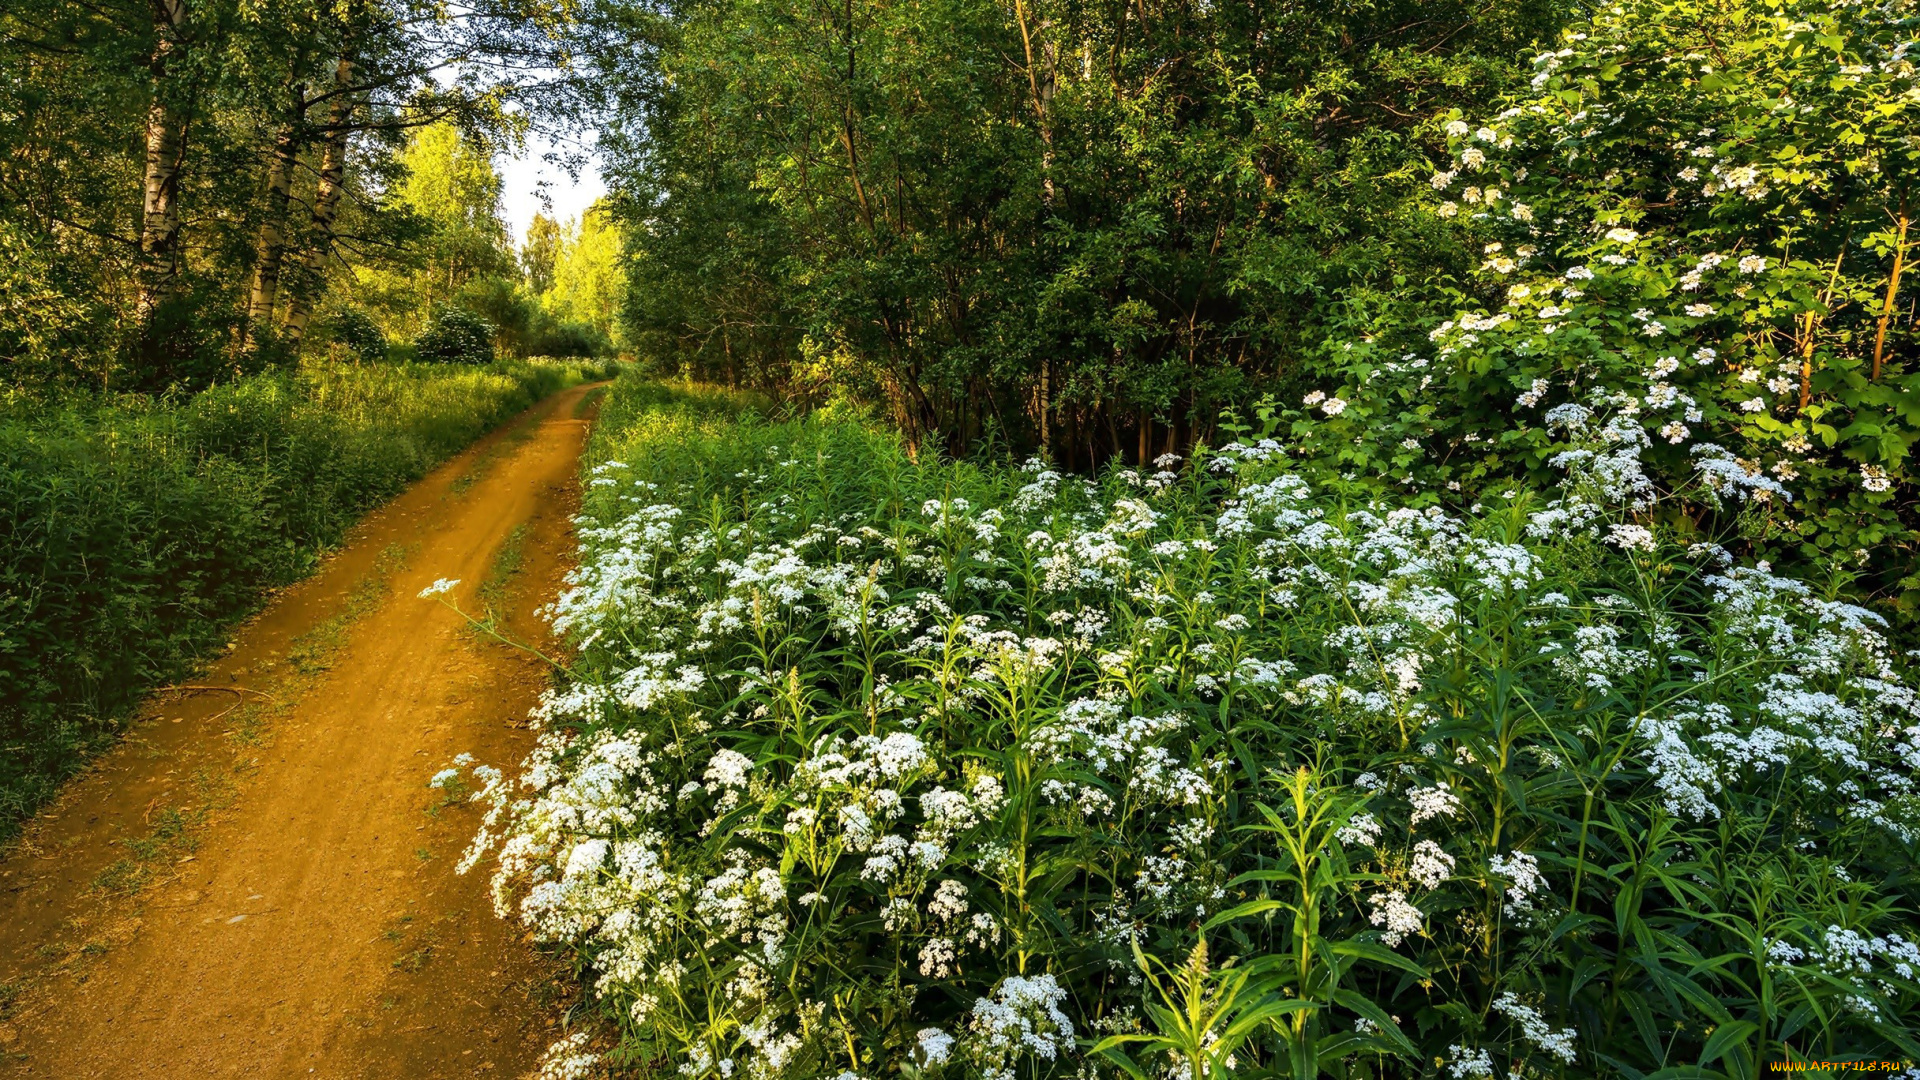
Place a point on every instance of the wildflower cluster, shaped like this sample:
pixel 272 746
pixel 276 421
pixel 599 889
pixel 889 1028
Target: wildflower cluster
pixel 870 765
pixel 1697 218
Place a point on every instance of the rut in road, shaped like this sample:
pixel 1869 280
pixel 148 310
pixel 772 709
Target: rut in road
pixel 258 882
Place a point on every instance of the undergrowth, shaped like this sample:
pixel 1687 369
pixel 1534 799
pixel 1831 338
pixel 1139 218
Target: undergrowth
pixel 134 531
pixel 870 765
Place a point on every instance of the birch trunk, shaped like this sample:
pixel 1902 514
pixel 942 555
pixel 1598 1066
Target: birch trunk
pixel 271 247
pixel 1042 87
pixel 166 146
pixel 326 206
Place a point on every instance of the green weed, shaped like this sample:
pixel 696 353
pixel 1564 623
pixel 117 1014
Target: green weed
pixel 522 431
pixel 173 833
pixel 508 562
pixel 587 401
pixel 314 651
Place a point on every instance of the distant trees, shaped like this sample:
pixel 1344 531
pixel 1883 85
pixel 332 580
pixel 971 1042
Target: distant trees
pixel 192 176
pixel 589 279
pixel 451 182
pixel 538 252
pixel 556 295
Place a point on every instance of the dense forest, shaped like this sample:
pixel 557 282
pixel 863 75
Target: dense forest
pixel 1089 225
pixel 191 192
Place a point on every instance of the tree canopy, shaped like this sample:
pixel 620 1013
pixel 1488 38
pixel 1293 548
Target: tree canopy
pixel 191 178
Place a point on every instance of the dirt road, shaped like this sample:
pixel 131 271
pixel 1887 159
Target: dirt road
pixel 259 883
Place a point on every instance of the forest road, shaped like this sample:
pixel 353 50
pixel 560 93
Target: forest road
pixel 258 881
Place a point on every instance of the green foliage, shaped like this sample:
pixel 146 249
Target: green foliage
pixel 539 251
pixel 48 322
pixel 1697 214
pixel 548 336
pixel 872 763
pixel 449 183
pixel 503 303
pixel 523 325
pixel 565 304
pixel 191 346
pixel 1068 223
pixel 588 277
pixel 353 330
pixel 133 532
pixel 455 336
pixel 94 232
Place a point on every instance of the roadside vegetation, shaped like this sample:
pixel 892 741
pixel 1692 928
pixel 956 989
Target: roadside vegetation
pixel 134 531
pixel 872 764
pixel 1409 229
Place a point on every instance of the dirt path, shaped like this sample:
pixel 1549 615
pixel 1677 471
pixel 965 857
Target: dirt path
pixel 258 882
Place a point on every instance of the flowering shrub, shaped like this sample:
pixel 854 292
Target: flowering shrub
pixel 872 766
pixel 1697 214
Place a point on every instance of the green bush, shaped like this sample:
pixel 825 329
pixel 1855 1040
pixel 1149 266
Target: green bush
pixel 1697 213
pixel 49 317
pixel 355 331
pixel 523 327
pixel 876 765
pixel 547 336
pixel 134 531
pixel 455 336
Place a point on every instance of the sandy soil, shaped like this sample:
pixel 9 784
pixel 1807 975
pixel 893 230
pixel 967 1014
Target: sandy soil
pixel 258 882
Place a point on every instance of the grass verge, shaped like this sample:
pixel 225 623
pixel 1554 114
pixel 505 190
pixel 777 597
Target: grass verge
pixel 134 531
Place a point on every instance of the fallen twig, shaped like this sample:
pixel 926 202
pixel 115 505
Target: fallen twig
pixel 184 688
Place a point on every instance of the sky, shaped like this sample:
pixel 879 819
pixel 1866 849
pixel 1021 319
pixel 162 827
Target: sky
pixel 522 179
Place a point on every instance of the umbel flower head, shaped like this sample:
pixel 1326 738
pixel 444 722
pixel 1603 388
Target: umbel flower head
pixel 908 757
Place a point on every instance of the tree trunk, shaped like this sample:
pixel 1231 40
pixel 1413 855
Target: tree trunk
pixel 1808 338
pixel 1042 88
pixel 271 247
pixel 846 127
pixel 166 146
pixel 1045 405
pixel 326 205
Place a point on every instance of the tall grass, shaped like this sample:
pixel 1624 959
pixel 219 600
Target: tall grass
pixel 133 531
pixel 874 766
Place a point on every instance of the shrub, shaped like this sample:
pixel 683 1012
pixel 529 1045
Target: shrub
pixel 134 531
pixel 355 331
pixel 455 336
pixel 49 318
pixel 553 337
pixel 522 326
pixel 1698 213
pixel 870 764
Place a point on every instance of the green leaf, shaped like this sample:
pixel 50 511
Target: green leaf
pixel 1725 1039
pixel 1377 953
pixel 1241 911
pixel 1389 1030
